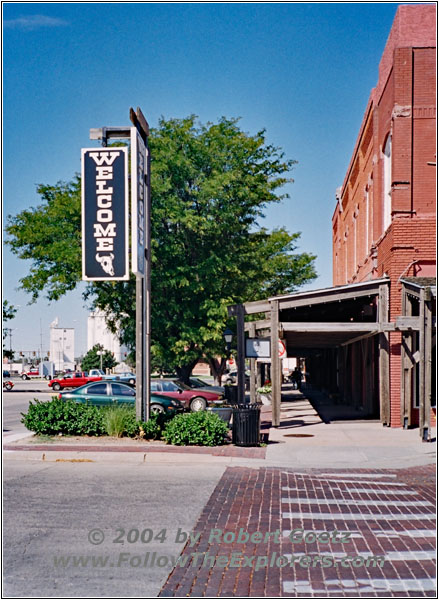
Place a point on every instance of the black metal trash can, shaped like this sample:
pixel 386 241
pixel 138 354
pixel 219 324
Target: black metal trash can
pixel 231 394
pixel 246 425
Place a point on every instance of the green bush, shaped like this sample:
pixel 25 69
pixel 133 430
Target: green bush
pixel 150 430
pixel 120 421
pixel 153 429
pixel 63 416
pixel 196 429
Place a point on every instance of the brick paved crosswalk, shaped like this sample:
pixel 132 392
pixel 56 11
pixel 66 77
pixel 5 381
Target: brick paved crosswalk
pixel 315 534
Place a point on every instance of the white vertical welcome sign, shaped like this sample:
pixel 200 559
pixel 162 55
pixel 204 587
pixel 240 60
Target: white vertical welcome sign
pixel 105 214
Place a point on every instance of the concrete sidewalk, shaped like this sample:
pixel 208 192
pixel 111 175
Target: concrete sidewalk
pixel 303 441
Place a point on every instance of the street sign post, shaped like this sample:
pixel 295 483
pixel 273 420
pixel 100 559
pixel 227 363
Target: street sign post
pixel 104 222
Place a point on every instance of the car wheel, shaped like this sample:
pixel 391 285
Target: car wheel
pixel 156 409
pixel 229 381
pixel 198 404
pixel 8 386
pixel 24 377
pixel 47 377
pixel 56 387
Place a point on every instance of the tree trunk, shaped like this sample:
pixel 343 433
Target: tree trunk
pixel 217 367
pixel 185 371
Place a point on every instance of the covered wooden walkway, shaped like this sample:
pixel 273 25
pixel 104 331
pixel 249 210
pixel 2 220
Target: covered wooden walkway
pixel 342 333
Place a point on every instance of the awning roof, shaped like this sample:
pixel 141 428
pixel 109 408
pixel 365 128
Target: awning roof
pixel 419 283
pixel 323 318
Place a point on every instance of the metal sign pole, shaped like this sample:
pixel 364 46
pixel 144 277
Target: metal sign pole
pixel 147 284
pixel 140 245
pixel 142 269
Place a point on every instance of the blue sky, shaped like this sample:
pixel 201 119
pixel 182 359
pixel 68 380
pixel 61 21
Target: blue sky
pixel 302 71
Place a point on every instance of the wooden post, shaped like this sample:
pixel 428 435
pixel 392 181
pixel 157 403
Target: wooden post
pixel 406 365
pixel 252 334
pixel 425 340
pixel 259 378
pixel 139 348
pixel 240 334
pixel 275 363
pixel 428 364
pixel 384 367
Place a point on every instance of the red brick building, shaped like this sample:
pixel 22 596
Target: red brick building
pixel 368 343
pixel 385 219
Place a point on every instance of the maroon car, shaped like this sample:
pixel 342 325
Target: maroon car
pixel 193 399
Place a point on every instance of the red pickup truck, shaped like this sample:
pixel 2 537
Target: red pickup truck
pixel 71 380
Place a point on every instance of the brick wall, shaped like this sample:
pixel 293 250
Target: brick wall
pixel 403 105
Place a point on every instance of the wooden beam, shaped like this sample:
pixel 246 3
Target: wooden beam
pixel 359 338
pixel 326 297
pixel 384 357
pixel 258 325
pixel 275 363
pixel 331 327
pixel 407 323
pixel 406 365
pixel 240 363
pixel 252 331
pixel 259 306
pixel 428 364
pixel 423 419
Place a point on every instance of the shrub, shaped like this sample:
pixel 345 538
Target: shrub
pixel 196 429
pixel 153 429
pixel 150 430
pixel 120 421
pixel 63 416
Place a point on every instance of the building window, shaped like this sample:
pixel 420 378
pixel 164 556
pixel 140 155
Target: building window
pixel 387 183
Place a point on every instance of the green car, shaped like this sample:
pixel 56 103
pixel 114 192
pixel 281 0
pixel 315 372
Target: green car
pixel 108 393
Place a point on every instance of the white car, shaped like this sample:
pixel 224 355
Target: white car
pixel 32 374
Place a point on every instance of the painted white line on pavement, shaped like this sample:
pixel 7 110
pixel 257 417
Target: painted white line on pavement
pixel 350 475
pixel 358 516
pixel 321 479
pixel 363 586
pixel 413 533
pixel 350 501
pixel 362 490
pixel 406 555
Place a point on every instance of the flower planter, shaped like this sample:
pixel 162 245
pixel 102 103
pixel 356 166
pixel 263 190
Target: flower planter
pixel 224 413
pixel 265 398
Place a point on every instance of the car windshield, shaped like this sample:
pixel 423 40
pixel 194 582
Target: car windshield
pixel 181 385
pixel 197 383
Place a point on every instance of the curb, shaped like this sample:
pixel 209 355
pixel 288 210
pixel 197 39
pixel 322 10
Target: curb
pixel 217 451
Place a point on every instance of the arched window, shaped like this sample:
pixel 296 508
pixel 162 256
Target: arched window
pixel 387 183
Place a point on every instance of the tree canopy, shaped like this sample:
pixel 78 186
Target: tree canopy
pixel 92 360
pixel 210 186
pixel 9 312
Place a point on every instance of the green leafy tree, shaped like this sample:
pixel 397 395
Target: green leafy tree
pixel 92 360
pixel 9 313
pixel 210 187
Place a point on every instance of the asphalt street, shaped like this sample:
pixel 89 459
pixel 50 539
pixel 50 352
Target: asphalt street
pixel 17 401
pixel 51 508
